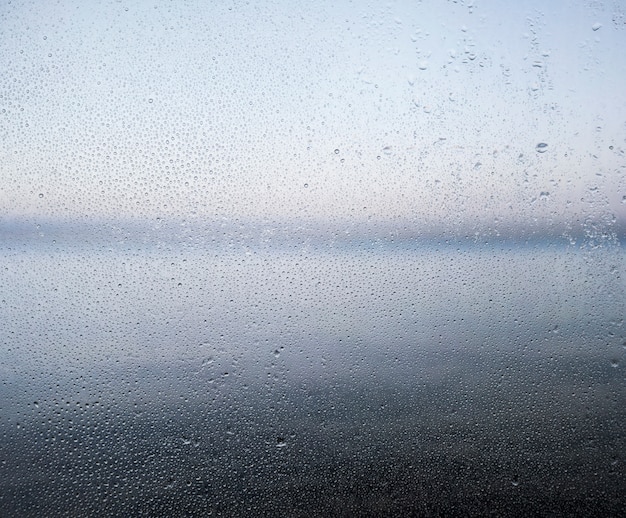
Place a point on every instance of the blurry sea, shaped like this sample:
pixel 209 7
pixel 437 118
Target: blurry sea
pixel 307 378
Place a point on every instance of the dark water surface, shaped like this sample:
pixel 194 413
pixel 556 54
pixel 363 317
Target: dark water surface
pixel 433 382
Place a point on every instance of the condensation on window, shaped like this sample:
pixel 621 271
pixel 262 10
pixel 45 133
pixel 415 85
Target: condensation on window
pixel 312 258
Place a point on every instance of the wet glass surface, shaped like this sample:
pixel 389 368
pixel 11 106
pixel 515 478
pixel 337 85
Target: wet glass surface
pixel 332 260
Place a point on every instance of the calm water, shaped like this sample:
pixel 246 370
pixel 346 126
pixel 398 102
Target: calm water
pixel 376 380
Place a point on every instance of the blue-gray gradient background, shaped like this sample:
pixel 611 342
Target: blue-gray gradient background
pixel 299 259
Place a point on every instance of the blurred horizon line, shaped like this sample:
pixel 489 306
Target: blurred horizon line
pixel 243 231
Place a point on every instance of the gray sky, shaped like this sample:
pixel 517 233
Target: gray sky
pixel 421 112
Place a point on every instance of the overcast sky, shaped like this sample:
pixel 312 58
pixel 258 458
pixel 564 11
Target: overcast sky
pixel 424 112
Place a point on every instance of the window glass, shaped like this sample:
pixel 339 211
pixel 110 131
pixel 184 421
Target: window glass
pixel 312 258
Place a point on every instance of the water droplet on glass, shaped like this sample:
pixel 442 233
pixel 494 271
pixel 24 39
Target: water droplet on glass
pixel 280 442
pixel 336 151
pixel 423 65
pixel 542 147
pixel 596 26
